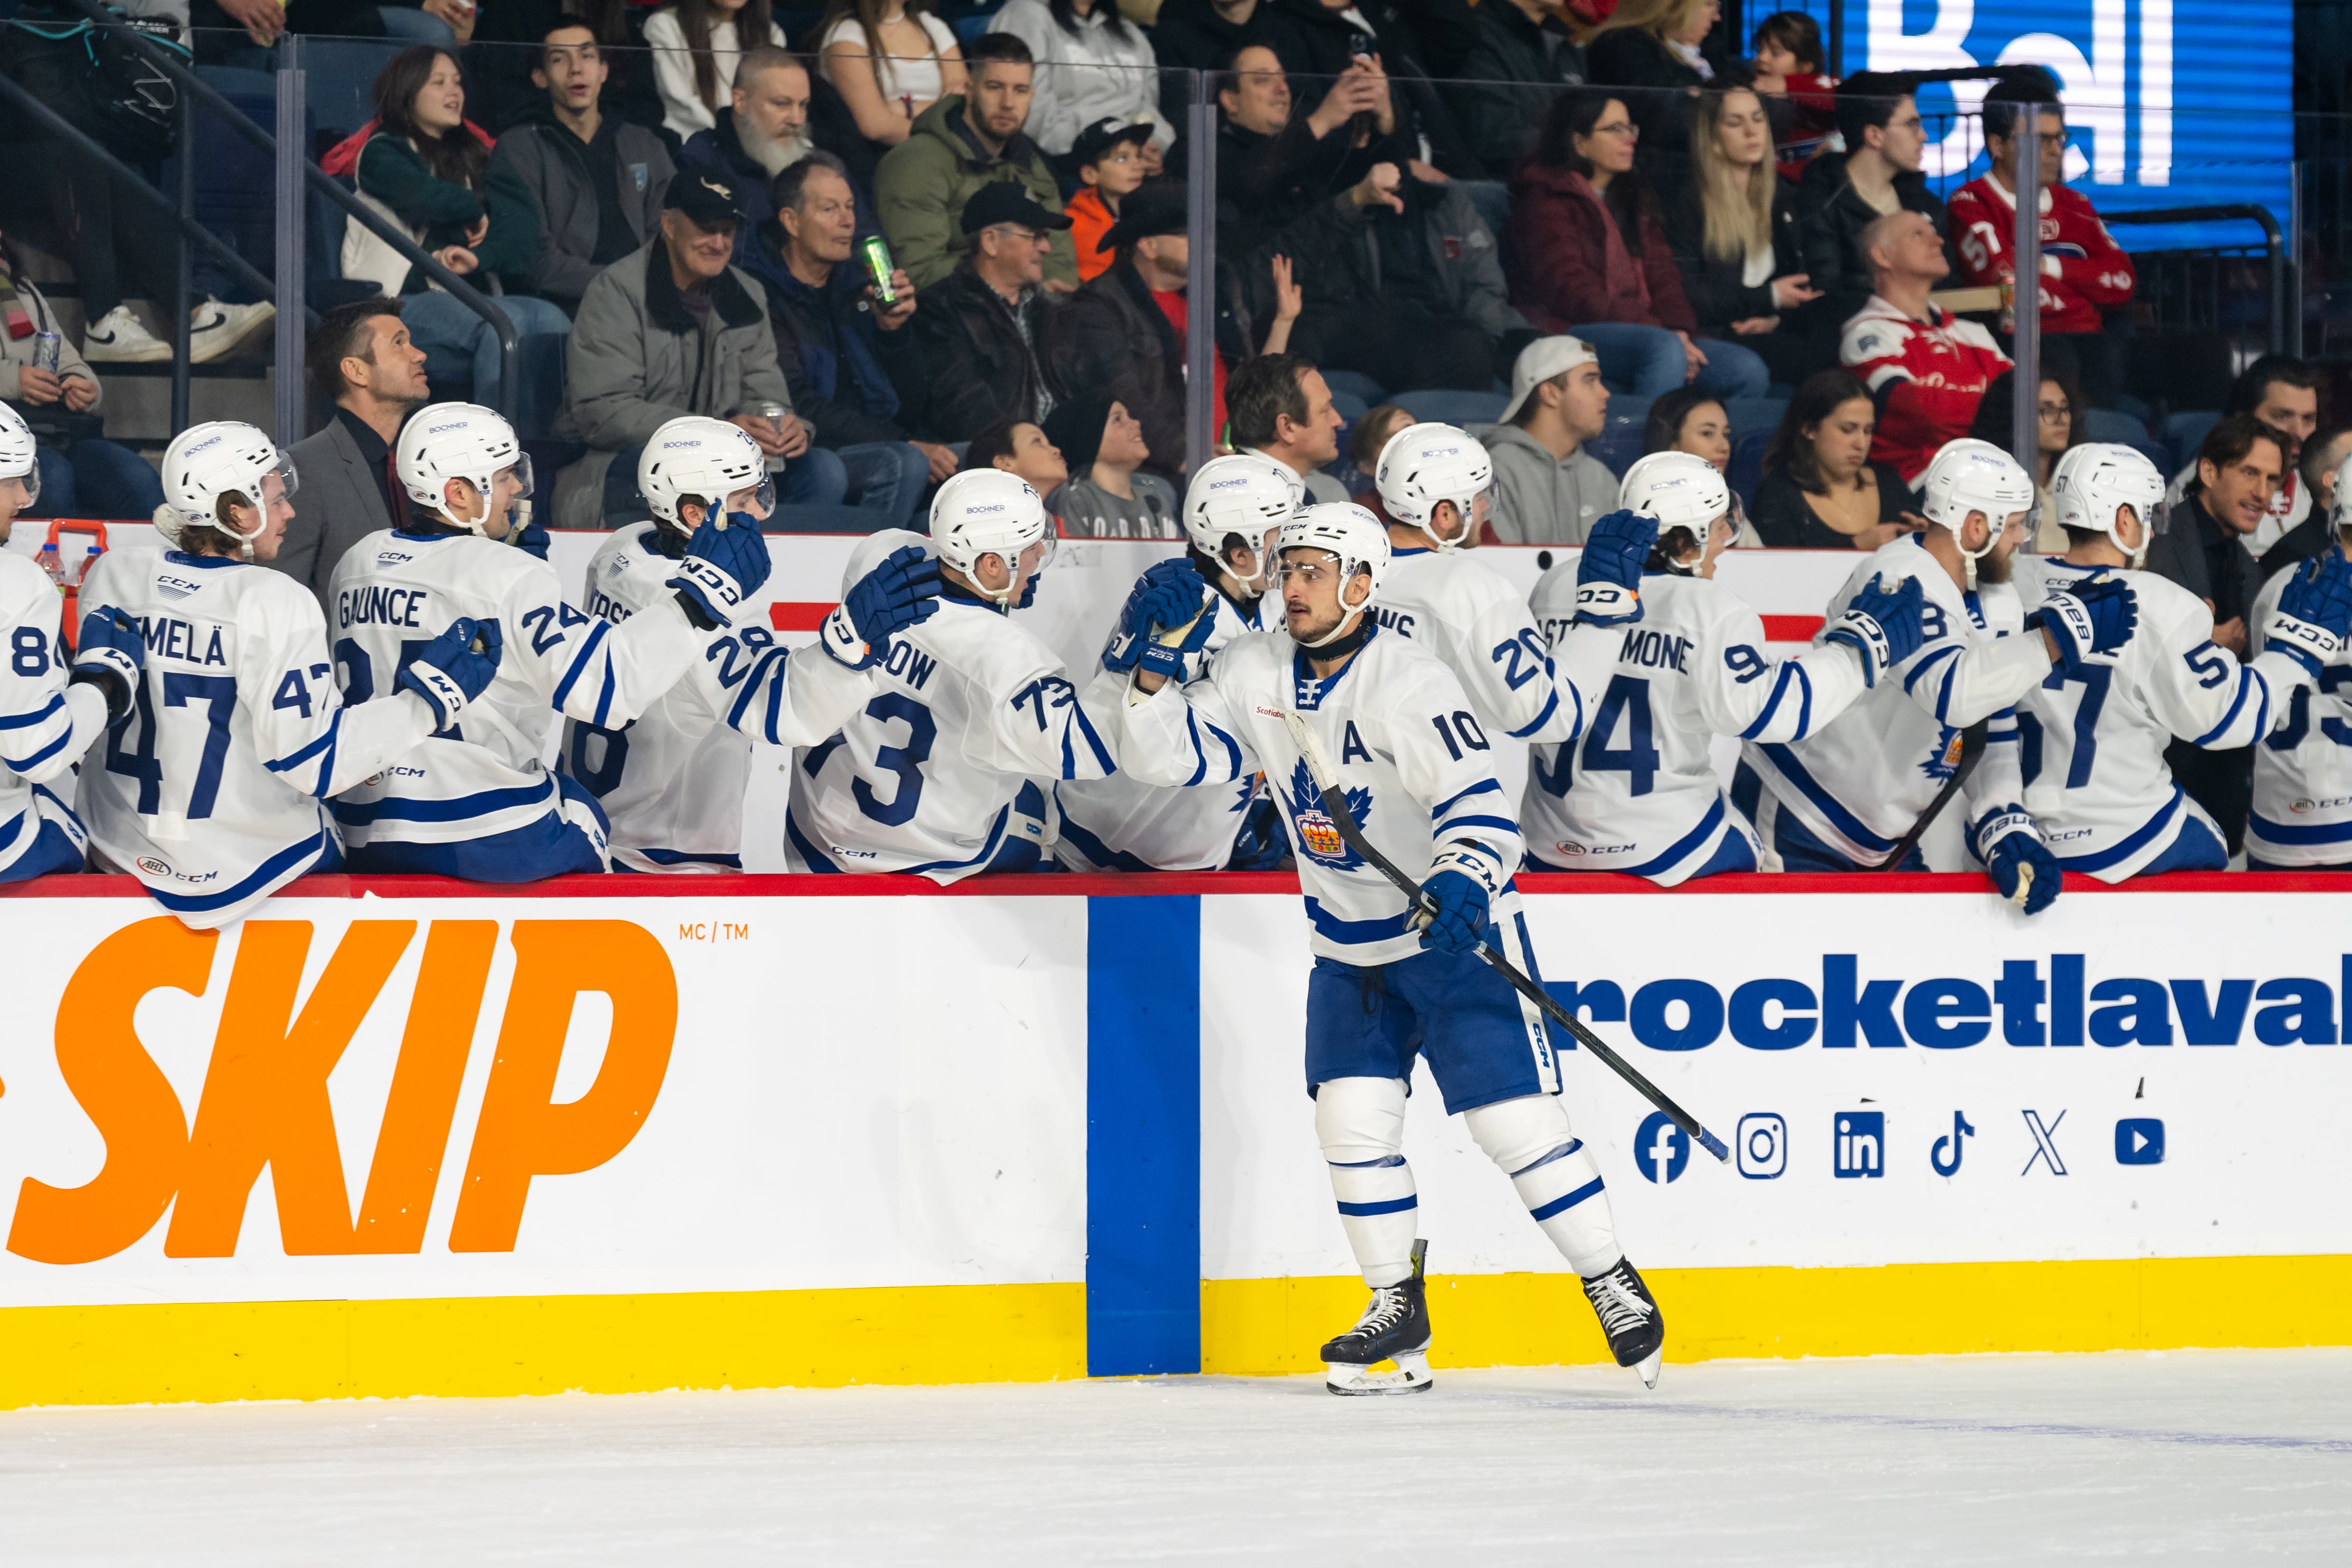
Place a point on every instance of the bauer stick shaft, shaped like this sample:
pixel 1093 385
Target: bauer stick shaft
pixel 1972 745
pixel 1335 805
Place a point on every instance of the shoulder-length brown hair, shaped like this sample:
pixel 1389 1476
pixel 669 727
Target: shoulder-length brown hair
pixel 455 155
pixel 754 26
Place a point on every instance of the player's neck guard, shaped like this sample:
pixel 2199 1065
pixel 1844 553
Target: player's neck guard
pixel 1343 644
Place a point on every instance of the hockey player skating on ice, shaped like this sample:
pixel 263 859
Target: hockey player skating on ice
pixel 1638 793
pixel 53 707
pixel 944 773
pixel 1390 984
pixel 2091 736
pixel 671 782
pixel 211 794
pixel 475 801
pixel 1232 510
pixel 2302 818
pixel 1844 798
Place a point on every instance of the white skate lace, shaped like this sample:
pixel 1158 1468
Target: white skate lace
pixel 1388 1309
pixel 1619 1307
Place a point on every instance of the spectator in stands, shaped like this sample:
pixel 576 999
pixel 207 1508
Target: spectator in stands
pixel 1789 76
pixel 697 45
pixel 1926 368
pixel 765 131
pixel 1820 489
pixel 596 182
pixel 1366 439
pixel 1732 226
pixel 1280 407
pixel 1019 447
pixel 1521 55
pixel 83 474
pixel 1843 194
pixel 2240 465
pixel 2058 424
pixel 1110 159
pixel 501 88
pixel 1652 47
pixel 2322 454
pixel 843 352
pixel 1092 64
pixel 1109 496
pixel 891 62
pixel 982 332
pixel 425 167
pixel 1201 35
pixel 1689 420
pixel 1586 255
pixel 2282 393
pixel 675 329
pixel 960 144
pixel 1122 335
pixel 1401 46
pixel 1275 168
pixel 1547 489
pixel 362 361
pixel 2083 271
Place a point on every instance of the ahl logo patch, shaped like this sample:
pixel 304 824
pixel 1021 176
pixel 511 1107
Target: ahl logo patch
pixel 1318 835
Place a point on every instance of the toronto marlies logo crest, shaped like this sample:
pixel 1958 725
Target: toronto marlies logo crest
pixel 1946 757
pixel 1318 835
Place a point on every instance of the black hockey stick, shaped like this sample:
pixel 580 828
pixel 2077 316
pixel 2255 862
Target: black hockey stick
pixel 1335 805
pixel 1972 745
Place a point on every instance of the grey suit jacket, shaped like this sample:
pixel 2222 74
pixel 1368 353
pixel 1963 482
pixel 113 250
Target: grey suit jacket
pixel 336 505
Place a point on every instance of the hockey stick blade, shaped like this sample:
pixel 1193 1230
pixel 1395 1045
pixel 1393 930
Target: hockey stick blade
pixel 1972 745
pixel 1335 805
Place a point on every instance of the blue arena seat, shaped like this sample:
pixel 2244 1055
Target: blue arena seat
pixel 1748 464
pixel 1356 385
pixel 2183 431
pixel 1446 406
pixel 1749 413
pixel 2106 424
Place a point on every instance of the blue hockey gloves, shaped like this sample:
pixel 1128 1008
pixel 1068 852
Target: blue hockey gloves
pixel 1883 627
pixel 902 591
pixel 1174 659
pixel 1166 595
pixel 2089 621
pixel 2019 863
pixel 110 655
pixel 1608 577
pixel 454 668
pixel 1455 898
pixel 2315 613
pixel 532 537
pixel 723 567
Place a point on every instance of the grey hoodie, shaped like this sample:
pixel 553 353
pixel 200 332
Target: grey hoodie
pixel 1541 499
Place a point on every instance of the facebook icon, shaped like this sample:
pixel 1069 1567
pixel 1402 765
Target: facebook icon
pixel 1861 1143
pixel 1661 1149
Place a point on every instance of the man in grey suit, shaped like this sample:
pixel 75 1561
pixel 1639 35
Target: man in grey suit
pixel 361 356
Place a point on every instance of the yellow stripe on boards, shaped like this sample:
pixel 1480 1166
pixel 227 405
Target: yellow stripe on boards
pixel 1271 1327
pixel 541 1345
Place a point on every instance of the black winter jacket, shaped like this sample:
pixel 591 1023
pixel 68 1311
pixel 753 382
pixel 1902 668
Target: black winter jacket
pixel 1830 217
pixel 975 367
pixel 1501 120
pixel 1717 296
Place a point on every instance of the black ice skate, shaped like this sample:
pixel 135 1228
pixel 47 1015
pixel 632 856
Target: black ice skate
pixel 1395 1327
pixel 1630 1317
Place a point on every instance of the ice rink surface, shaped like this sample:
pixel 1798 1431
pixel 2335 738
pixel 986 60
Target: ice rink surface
pixel 2225 1456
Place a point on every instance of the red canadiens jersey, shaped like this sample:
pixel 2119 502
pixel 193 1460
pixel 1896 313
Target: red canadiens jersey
pixel 2082 267
pixel 1927 376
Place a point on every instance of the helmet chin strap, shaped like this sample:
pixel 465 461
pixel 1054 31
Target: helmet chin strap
pixel 1970 557
pixel 1437 541
pixel 1349 622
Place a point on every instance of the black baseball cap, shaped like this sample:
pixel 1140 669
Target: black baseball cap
pixel 1157 209
pixel 704 197
pixel 1104 135
pixel 1006 202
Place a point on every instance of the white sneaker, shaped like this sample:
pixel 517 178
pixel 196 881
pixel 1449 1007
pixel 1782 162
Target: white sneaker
pixel 116 338
pixel 217 327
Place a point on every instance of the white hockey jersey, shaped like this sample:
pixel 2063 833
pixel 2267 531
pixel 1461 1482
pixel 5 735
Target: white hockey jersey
pixel 672 779
pixel 1416 766
pixel 1638 792
pixel 2302 768
pixel 2091 748
pixel 394 592
pixel 1121 823
pixel 944 772
pixel 45 726
pixel 1463 611
pixel 1860 782
pixel 210 793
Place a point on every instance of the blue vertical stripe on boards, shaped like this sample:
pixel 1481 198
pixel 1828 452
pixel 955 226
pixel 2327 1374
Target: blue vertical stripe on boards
pixel 1143 1135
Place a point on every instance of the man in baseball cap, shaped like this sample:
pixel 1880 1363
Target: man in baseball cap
pixel 983 328
pixel 1547 489
pixel 1113 336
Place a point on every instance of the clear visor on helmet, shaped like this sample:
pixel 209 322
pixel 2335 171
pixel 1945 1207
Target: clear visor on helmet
pixel 525 482
pixel 29 481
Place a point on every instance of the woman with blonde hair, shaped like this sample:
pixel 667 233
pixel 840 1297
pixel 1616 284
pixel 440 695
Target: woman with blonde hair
pixel 1732 226
pixel 890 60
pixel 1651 48
pixel 697 45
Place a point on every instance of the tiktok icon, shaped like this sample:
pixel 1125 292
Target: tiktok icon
pixel 1960 1130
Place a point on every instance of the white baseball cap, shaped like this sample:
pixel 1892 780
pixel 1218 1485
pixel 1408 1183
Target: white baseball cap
pixel 1539 363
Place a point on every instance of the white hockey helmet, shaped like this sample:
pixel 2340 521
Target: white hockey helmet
pixel 2097 478
pixel 1357 538
pixel 19 459
pixel 448 441
pixel 703 460
pixel 1422 464
pixel 988 511
pixel 210 467
pixel 1971 476
pixel 2340 512
pixel 1243 493
pixel 1680 490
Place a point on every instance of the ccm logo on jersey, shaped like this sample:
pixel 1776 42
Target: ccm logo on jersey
pixel 265 1097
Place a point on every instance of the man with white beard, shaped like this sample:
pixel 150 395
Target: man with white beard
pixel 765 133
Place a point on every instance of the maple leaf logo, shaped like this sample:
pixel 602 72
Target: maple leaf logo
pixel 1317 835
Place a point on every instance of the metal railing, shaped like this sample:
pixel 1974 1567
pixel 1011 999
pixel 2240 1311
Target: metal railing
pixel 2197 276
